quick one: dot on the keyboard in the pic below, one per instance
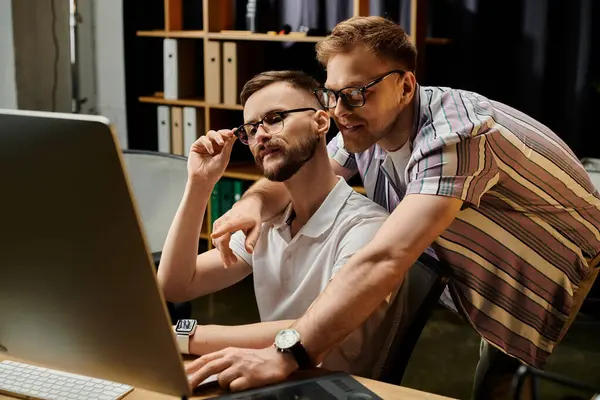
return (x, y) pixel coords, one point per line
(32, 382)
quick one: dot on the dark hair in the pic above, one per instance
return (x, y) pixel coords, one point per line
(297, 79)
(386, 39)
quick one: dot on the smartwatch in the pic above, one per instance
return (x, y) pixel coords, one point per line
(183, 330)
(288, 341)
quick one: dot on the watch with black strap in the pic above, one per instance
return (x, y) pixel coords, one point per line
(288, 341)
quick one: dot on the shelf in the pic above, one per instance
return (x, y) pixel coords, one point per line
(178, 102)
(244, 172)
(173, 34)
(251, 173)
(159, 99)
(263, 37)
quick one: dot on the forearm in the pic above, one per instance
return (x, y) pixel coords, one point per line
(375, 271)
(272, 196)
(210, 338)
(360, 287)
(178, 259)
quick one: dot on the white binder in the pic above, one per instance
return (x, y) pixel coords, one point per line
(178, 68)
(191, 125)
(164, 129)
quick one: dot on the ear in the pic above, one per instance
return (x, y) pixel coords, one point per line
(409, 86)
(322, 121)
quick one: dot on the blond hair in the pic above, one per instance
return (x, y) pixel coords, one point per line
(386, 39)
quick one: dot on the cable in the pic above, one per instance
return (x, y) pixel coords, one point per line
(56, 54)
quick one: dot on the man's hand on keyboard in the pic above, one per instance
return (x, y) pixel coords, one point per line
(241, 369)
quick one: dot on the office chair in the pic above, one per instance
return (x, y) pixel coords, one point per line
(591, 304)
(158, 181)
(519, 383)
(406, 317)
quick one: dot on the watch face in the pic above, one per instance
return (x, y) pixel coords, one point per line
(287, 338)
(185, 326)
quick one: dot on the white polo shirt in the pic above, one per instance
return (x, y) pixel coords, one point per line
(290, 273)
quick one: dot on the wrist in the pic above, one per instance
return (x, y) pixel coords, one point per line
(289, 341)
(253, 198)
(184, 334)
(288, 362)
(200, 185)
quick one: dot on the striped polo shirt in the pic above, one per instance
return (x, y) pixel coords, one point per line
(530, 223)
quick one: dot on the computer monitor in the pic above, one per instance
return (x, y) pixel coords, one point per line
(78, 289)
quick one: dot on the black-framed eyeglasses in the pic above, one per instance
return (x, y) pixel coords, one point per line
(352, 96)
(272, 123)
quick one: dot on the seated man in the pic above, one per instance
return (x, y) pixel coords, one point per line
(299, 250)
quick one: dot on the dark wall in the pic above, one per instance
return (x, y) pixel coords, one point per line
(540, 56)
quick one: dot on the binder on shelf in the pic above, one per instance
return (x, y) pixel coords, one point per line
(177, 131)
(238, 190)
(178, 68)
(226, 192)
(215, 203)
(213, 72)
(230, 73)
(241, 61)
(193, 122)
(164, 129)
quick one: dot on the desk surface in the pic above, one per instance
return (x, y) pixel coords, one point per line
(384, 390)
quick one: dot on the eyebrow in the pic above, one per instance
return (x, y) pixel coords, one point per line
(252, 120)
(353, 83)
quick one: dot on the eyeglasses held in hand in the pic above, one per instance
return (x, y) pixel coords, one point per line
(272, 123)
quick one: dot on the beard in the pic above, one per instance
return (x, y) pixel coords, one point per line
(290, 160)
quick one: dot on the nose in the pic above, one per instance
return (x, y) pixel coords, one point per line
(261, 135)
(340, 110)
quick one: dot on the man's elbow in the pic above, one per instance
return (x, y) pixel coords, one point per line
(174, 295)
(390, 263)
(171, 292)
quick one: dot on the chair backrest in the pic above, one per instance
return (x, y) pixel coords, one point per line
(158, 181)
(406, 317)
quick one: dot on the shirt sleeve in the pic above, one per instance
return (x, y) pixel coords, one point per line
(360, 232)
(337, 151)
(360, 341)
(464, 169)
(236, 244)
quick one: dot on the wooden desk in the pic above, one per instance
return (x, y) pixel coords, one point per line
(383, 390)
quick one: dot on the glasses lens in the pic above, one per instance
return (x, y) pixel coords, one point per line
(326, 98)
(273, 123)
(353, 97)
(242, 133)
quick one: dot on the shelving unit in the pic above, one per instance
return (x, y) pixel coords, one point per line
(217, 30)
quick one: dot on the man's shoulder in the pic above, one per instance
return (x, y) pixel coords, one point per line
(360, 206)
(449, 115)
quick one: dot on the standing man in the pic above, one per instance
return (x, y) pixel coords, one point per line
(498, 196)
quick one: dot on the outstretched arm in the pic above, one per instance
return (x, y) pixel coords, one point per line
(210, 338)
(261, 202)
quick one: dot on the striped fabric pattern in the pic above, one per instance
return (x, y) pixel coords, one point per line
(531, 224)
